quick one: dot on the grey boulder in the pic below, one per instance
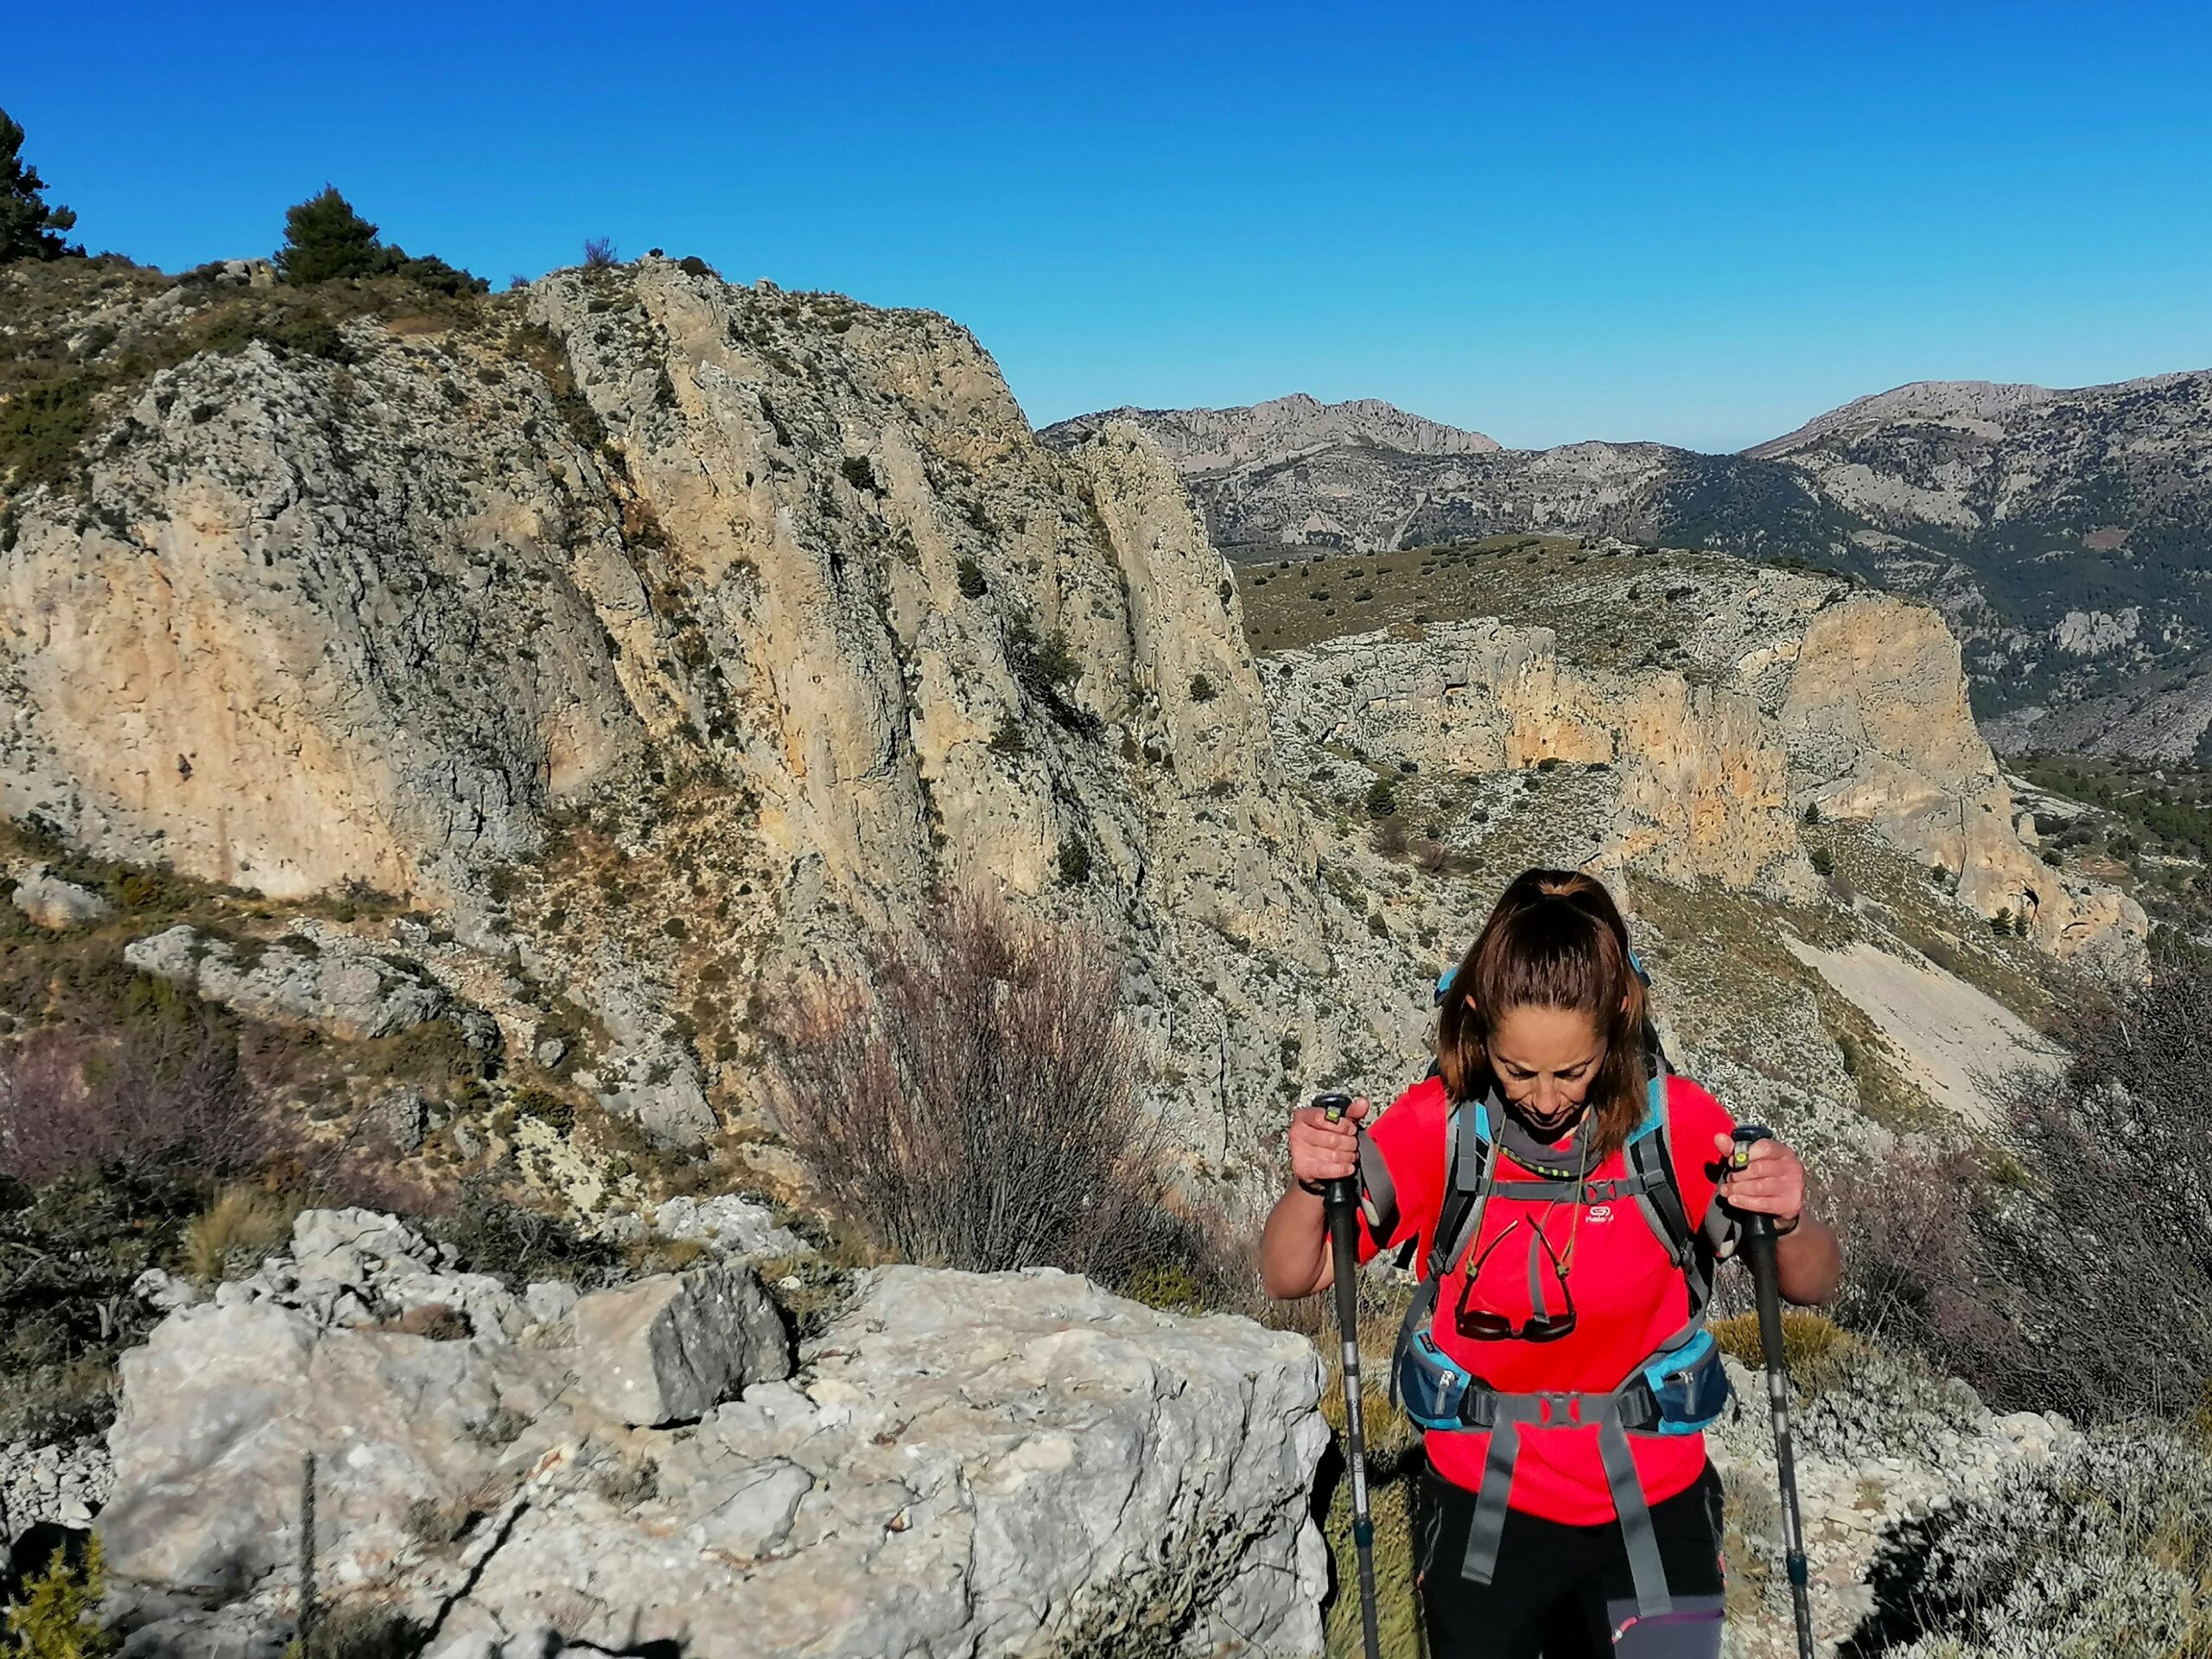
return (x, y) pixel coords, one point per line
(51, 902)
(668, 1348)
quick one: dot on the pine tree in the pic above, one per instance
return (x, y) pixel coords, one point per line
(324, 238)
(28, 228)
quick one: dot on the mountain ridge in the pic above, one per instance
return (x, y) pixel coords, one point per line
(2062, 533)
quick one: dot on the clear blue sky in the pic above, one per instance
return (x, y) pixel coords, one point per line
(1698, 222)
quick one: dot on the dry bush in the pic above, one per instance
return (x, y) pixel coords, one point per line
(1389, 838)
(2073, 1272)
(2105, 1250)
(158, 1091)
(970, 1100)
(1817, 1350)
(1913, 1272)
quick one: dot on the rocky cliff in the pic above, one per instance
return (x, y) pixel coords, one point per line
(772, 601)
(2057, 531)
(657, 633)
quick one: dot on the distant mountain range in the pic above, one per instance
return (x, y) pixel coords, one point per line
(2066, 535)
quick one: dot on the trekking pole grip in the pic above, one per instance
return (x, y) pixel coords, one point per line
(1341, 1188)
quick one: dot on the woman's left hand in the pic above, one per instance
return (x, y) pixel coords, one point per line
(1772, 1183)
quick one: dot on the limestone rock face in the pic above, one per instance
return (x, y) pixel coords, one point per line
(964, 1464)
(778, 594)
(669, 1347)
(1786, 692)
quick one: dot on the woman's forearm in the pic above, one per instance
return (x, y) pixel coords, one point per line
(1294, 1258)
(1807, 1262)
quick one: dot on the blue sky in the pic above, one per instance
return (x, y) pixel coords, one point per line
(1701, 223)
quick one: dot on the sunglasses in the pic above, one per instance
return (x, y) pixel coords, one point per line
(1486, 1325)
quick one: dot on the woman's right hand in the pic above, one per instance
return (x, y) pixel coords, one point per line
(1320, 1151)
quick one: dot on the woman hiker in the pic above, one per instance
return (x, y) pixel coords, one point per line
(1555, 1353)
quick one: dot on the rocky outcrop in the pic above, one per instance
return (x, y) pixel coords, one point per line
(52, 902)
(667, 1349)
(1791, 693)
(1219, 440)
(329, 978)
(1881, 1446)
(735, 1228)
(63, 1485)
(964, 1465)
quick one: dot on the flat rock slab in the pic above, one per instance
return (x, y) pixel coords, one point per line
(1945, 1035)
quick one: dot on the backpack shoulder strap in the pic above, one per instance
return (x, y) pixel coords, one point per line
(1469, 1154)
(1652, 1157)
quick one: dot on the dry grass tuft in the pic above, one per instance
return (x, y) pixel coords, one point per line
(234, 1233)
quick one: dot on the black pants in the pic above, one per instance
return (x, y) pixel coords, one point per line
(1562, 1592)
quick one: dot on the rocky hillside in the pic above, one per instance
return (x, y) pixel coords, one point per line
(2058, 531)
(659, 632)
(651, 635)
(460, 717)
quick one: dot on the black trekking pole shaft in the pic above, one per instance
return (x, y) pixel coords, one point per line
(1760, 1241)
(1342, 1197)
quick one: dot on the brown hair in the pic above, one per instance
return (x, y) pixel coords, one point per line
(1555, 940)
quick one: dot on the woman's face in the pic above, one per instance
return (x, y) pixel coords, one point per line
(1546, 1059)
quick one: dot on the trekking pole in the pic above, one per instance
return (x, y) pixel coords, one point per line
(1758, 1242)
(1342, 1197)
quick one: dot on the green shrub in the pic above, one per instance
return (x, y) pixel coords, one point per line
(860, 475)
(1381, 800)
(1824, 861)
(1075, 862)
(972, 585)
(1202, 688)
(60, 1619)
(548, 1108)
(41, 428)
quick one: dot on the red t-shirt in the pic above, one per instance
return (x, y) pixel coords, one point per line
(1629, 1298)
